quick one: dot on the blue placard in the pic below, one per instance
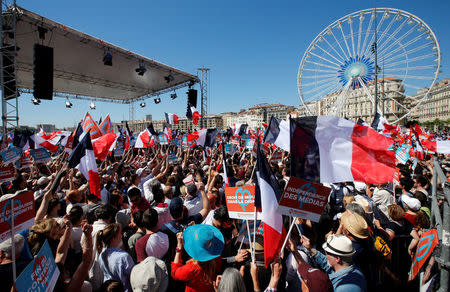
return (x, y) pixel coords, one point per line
(402, 153)
(249, 143)
(40, 155)
(163, 139)
(172, 157)
(41, 274)
(11, 154)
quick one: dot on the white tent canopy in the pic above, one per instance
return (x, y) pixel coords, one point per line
(78, 63)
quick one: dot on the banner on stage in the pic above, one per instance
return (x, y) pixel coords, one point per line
(40, 155)
(427, 243)
(11, 154)
(241, 202)
(23, 205)
(303, 199)
(41, 274)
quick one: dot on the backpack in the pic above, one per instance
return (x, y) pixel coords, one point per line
(381, 247)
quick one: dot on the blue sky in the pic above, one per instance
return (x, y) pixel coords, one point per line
(253, 48)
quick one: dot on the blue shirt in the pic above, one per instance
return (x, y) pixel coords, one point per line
(349, 279)
(116, 264)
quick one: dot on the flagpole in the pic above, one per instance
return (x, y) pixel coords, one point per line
(254, 235)
(13, 242)
(287, 235)
(249, 241)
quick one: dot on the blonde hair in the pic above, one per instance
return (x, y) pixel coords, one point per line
(348, 199)
(39, 233)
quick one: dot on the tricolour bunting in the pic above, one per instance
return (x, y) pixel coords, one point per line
(330, 149)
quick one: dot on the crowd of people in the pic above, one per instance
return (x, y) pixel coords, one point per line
(164, 226)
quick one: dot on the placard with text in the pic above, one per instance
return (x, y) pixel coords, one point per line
(303, 199)
(241, 202)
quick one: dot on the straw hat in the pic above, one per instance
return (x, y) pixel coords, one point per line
(363, 202)
(355, 224)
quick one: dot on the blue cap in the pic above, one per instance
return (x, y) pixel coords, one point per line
(203, 242)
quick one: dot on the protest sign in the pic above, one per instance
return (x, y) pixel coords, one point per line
(40, 155)
(303, 199)
(427, 243)
(249, 143)
(172, 157)
(230, 148)
(184, 141)
(23, 214)
(241, 202)
(396, 180)
(189, 180)
(276, 157)
(7, 173)
(402, 153)
(163, 139)
(41, 274)
(23, 162)
(120, 148)
(11, 154)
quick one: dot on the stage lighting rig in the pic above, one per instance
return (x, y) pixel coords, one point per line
(68, 104)
(142, 104)
(107, 59)
(157, 100)
(36, 101)
(169, 78)
(173, 95)
(92, 105)
(141, 70)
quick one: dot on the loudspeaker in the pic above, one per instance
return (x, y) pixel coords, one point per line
(9, 76)
(43, 72)
(192, 97)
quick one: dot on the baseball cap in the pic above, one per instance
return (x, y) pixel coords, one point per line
(412, 203)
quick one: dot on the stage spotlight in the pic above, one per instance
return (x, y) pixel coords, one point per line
(157, 100)
(92, 105)
(141, 70)
(168, 78)
(68, 104)
(191, 83)
(173, 95)
(36, 101)
(107, 59)
(142, 104)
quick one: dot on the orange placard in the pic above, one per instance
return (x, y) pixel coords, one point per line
(241, 202)
(303, 199)
(425, 247)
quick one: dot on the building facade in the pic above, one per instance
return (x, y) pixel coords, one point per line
(436, 106)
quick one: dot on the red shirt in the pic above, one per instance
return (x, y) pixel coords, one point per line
(196, 279)
(139, 247)
(143, 205)
(410, 218)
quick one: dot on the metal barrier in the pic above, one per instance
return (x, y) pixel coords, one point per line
(442, 223)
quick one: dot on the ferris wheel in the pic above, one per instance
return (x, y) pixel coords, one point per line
(337, 71)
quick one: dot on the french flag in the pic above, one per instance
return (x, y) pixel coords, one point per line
(144, 140)
(278, 133)
(103, 145)
(171, 118)
(203, 137)
(267, 195)
(193, 114)
(224, 165)
(83, 159)
(442, 147)
(330, 149)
